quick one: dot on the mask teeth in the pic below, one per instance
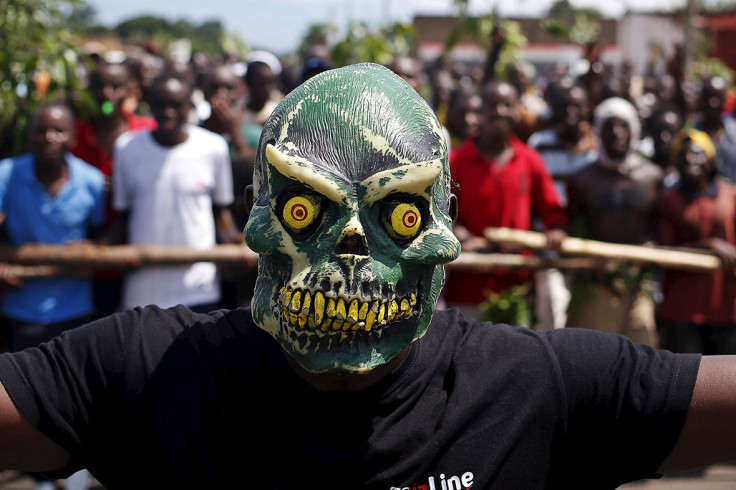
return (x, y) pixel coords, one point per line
(313, 310)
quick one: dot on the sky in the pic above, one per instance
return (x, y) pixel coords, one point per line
(279, 25)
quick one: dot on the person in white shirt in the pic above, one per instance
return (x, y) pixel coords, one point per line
(173, 186)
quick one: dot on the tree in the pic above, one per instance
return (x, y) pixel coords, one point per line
(38, 62)
(481, 30)
(318, 35)
(208, 37)
(579, 25)
(381, 46)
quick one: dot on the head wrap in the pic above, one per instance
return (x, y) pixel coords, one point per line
(622, 108)
(700, 138)
(618, 107)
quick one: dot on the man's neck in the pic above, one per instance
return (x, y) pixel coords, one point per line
(52, 175)
(494, 146)
(346, 382)
(169, 139)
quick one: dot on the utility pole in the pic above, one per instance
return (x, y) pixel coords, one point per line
(690, 30)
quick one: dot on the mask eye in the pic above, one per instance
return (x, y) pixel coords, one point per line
(300, 212)
(402, 220)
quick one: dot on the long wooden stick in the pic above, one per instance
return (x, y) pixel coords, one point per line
(122, 256)
(488, 262)
(667, 258)
(39, 260)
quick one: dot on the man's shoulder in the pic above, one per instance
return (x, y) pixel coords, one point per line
(545, 137)
(150, 332)
(138, 123)
(131, 140)
(464, 334)
(522, 149)
(12, 165)
(198, 133)
(86, 169)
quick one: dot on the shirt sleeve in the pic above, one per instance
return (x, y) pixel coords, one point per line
(627, 404)
(545, 199)
(222, 194)
(79, 384)
(120, 196)
(6, 169)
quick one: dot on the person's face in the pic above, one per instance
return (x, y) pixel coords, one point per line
(518, 78)
(170, 106)
(52, 134)
(499, 107)
(264, 83)
(693, 163)
(666, 126)
(110, 86)
(410, 71)
(616, 137)
(713, 97)
(570, 106)
(224, 84)
(473, 115)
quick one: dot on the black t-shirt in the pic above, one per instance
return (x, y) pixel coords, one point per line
(154, 398)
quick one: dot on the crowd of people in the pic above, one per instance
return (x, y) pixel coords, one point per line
(583, 154)
(167, 156)
(587, 155)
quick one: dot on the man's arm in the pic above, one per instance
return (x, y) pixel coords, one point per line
(709, 435)
(225, 225)
(22, 446)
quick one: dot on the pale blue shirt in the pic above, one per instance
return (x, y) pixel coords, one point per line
(33, 216)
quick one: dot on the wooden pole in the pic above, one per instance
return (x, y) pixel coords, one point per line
(488, 262)
(122, 256)
(39, 260)
(665, 257)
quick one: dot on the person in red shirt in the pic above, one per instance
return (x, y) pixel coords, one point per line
(698, 312)
(110, 86)
(500, 182)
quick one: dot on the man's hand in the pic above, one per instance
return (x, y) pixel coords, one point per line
(8, 279)
(555, 237)
(725, 251)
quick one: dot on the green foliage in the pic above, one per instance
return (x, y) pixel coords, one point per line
(512, 306)
(37, 39)
(363, 45)
(318, 34)
(703, 64)
(578, 25)
(710, 67)
(480, 30)
(208, 37)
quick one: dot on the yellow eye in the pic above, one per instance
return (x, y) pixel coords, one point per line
(405, 220)
(300, 211)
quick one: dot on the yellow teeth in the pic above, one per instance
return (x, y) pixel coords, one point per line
(313, 310)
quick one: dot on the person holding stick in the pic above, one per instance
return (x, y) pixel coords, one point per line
(49, 196)
(342, 374)
(614, 200)
(173, 186)
(697, 311)
(501, 182)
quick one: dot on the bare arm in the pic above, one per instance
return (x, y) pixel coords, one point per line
(22, 446)
(225, 225)
(709, 435)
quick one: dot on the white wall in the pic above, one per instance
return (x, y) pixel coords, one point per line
(641, 35)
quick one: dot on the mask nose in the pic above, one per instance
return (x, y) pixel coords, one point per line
(352, 241)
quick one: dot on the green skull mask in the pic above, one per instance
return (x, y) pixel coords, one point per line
(350, 219)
